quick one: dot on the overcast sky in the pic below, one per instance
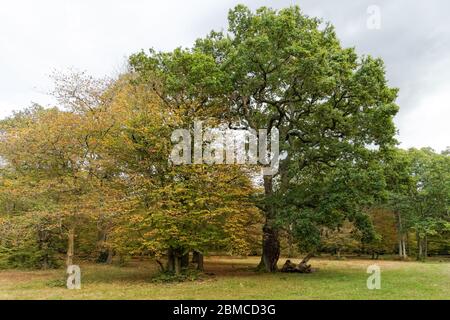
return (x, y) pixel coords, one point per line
(38, 37)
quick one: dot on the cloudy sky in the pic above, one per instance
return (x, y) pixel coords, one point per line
(39, 37)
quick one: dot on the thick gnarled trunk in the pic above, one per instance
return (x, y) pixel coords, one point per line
(270, 242)
(271, 249)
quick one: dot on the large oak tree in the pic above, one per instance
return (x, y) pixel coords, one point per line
(285, 70)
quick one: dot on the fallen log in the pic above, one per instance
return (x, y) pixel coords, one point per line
(302, 267)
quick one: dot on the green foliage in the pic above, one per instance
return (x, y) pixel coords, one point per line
(419, 193)
(98, 168)
(170, 277)
(27, 242)
(285, 70)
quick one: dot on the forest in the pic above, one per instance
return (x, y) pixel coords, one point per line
(90, 181)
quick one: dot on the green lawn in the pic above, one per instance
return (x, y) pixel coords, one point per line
(233, 278)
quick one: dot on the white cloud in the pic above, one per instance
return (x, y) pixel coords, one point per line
(428, 124)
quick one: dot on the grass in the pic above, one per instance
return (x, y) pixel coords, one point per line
(234, 278)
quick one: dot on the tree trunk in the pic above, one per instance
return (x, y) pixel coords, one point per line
(271, 244)
(103, 251)
(110, 257)
(407, 245)
(43, 247)
(419, 247)
(170, 261)
(400, 236)
(70, 246)
(425, 248)
(197, 258)
(185, 260)
(405, 254)
(200, 265)
(177, 264)
(271, 249)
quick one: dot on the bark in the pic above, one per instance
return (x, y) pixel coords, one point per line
(70, 246)
(304, 263)
(197, 258)
(271, 244)
(419, 247)
(405, 254)
(271, 249)
(170, 261)
(102, 252)
(407, 246)
(289, 267)
(185, 260)
(422, 247)
(161, 266)
(425, 247)
(43, 246)
(401, 237)
(302, 267)
(177, 264)
(200, 265)
(176, 261)
(110, 257)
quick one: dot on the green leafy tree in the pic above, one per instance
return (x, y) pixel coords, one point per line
(431, 198)
(284, 70)
(419, 195)
(179, 209)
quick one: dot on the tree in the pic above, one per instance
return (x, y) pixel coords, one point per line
(28, 241)
(343, 239)
(386, 229)
(400, 185)
(177, 209)
(322, 199)
(430, 199)
(283, 70)
(39, 148)
(52, 153)
(418, 183)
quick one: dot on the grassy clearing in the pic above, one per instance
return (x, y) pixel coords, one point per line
(234, 278)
